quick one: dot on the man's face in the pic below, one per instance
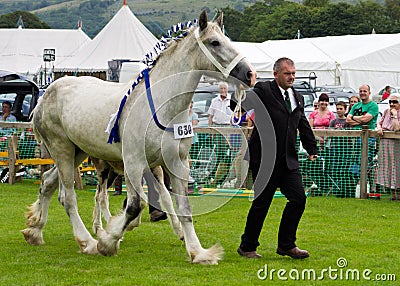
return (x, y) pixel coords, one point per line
(340, 110)
(5, 109)
(285, 77)
(223, 91)
(364, 93)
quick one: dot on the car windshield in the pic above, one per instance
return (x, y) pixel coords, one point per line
(334, 89)
(308, 99)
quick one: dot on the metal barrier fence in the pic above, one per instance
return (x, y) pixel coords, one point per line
(351, 163)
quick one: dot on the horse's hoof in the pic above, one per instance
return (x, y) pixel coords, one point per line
(107, 245)
(108, 249)
(209, 256)
(33, 236)
(88, 247)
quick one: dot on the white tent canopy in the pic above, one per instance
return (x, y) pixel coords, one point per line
(306, 57)
(124, 37)
(350, 60)
(373, 59)
(21, 50)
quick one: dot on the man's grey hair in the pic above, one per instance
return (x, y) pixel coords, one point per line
(223, 83)
(279, 62)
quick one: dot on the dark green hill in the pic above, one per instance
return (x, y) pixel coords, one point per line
(156, 15)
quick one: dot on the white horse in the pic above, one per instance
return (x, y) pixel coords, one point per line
(71, 117)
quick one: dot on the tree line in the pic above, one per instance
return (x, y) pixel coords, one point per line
(268, 20)
(281, 20)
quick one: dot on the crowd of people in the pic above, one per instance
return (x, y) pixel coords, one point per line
(363, 111)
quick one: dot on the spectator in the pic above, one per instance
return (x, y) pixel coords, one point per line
(364, 112)
(6, 112)
(386, 94)
(338, 146)
(239, 167)
(340, 121)
(353, 100)
(6, 115)
(220, 116)
(388, 173)
(321, 117)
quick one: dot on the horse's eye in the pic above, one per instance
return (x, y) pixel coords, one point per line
(215, 43)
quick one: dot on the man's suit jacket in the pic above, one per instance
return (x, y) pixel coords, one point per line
(285, 124)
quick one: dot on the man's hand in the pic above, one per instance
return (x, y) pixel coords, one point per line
(312, 157)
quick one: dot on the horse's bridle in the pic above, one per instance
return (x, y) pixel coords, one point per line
(225, 71)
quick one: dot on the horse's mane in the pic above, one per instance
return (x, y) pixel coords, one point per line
(173, 42)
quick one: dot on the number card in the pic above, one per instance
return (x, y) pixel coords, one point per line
(183, 130)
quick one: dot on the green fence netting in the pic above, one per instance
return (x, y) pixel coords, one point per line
(219, 160)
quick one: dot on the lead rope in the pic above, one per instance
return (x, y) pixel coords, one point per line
(240, 95)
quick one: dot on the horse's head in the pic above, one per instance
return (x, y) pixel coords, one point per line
(218, 52)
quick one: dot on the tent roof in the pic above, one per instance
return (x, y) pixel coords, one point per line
(21, 50)
(304, 54)
(359, 51)
(256, 55)
(124, 37)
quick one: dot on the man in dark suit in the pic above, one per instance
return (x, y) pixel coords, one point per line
(285, 108)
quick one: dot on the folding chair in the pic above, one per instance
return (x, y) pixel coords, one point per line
(204, 164)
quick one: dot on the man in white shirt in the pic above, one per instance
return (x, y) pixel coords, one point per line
(220, 115)
(219, 111)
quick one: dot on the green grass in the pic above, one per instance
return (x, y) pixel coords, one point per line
(365, 232)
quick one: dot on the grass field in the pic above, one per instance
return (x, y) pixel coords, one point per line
(364, 232)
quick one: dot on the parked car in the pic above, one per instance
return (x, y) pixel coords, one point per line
(378, 97)
(333, 89)
(383, 105)
(21, 91)
(305, 89)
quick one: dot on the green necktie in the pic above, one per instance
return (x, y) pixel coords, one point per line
(287, 101)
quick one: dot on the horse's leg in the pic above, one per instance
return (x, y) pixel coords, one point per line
(109, 238)
(196, 252)
(38, 211)
(101, 205)
(62, 153)
(167, 201)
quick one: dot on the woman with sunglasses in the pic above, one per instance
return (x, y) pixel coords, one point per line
(321, 117)
(388, 173)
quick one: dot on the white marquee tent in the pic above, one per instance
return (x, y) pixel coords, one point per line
(307, 57)
(123, 38)
(350, 60)
(373, 59)
(21, 50)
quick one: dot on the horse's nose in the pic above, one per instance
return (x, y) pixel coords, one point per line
(244, 72)
(252, 75)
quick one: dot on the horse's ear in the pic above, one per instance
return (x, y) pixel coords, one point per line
(203, 21)
(220, 20)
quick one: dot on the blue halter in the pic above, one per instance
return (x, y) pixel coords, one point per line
(151, 103)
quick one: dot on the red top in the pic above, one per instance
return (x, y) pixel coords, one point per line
(385, 95)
